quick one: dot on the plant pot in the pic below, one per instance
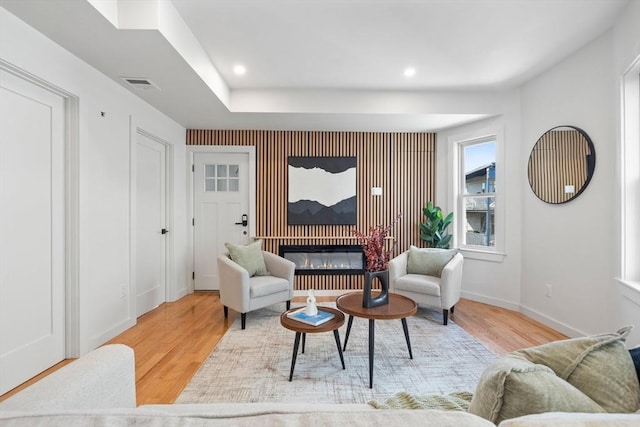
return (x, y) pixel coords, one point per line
(382, 298)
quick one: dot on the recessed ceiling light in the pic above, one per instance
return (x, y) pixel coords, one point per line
(240, 70)
(409, 72)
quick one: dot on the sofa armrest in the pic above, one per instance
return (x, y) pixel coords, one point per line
(234, 284)
(104, 378)
(279, 266)
(397, 268)
(451, 281)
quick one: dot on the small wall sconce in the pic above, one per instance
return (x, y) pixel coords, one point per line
(376, 191)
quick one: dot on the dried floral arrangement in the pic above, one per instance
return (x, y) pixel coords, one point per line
(373, 245)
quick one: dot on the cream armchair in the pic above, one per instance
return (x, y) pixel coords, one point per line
(244, 293)
(442, 292)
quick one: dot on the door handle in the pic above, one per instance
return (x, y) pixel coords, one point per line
(245, 221)
(164, 231)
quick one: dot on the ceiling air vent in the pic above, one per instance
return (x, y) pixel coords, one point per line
(140, 83)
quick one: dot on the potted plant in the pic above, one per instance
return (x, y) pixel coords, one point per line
(434, 230)
(377, 261)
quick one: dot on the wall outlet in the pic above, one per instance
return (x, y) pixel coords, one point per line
(123, 291)
(547, 290)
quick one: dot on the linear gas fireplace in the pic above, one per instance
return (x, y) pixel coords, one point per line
(325, 259)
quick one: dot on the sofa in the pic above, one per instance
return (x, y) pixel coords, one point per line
(99, 390)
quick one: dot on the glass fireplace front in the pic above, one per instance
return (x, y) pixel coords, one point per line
(325, 259)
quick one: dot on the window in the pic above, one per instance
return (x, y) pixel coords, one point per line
(476, 183)
(478, 161)
(221, 178)
(630, 175)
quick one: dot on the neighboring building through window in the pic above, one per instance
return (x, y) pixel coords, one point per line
(478, 193)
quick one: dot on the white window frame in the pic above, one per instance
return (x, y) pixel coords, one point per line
(629, 270)
(456, 144)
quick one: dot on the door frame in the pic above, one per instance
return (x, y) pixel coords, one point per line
(212, 149)
(72, 302)
(136, 130)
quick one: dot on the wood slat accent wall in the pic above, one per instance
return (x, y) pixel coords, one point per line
(403, 164)
(559, 158)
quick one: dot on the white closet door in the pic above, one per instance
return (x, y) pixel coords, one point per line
(32, 219)
(150, 223)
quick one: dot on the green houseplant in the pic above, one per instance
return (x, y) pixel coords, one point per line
(434, 230)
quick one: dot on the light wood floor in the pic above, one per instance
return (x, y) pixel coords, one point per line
(172, 341)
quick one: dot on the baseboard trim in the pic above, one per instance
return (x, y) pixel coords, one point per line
(491, 301)
(99, 340)
(552, 323)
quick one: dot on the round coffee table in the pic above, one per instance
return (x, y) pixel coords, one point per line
(399, 307)
(302, 329)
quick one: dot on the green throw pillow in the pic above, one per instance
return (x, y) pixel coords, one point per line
(249, 257)
(512, 387)
(600, 366)
(589, 374)
(428, 261)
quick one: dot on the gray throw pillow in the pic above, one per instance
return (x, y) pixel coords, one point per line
(428, 261)
(249, 257)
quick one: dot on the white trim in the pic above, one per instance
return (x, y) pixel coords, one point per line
(629, 289)
(496, 302)
(483, 255)
(454, 142)
(630, 173)
(72, 207)
(191, 149)
(552, 323)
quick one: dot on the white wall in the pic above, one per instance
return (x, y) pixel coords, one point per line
(104, 178)
(570, 246)
(491, 282)
(574, 247)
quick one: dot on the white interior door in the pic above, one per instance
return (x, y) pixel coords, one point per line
(151, 229)
(221, 199)
(32, 220)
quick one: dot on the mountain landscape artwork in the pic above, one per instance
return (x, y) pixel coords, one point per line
(322, 190)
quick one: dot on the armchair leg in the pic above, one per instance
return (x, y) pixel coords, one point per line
(226, 311)
(445, 314)
(243, 319)
(288, 304)
(452, 308)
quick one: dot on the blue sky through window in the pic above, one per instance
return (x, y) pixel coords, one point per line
(477, 155)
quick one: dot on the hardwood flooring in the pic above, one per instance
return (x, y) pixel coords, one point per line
(173, 340)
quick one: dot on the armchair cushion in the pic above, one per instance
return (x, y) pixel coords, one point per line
(428, 261)
(266, 285)
(418, 283)
(249, 257)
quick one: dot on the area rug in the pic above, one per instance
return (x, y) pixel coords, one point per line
(252, 365)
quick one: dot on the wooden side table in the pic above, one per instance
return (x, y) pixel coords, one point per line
(302, 329)
(399, 307)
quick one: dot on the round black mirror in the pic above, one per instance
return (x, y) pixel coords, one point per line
(561, 164)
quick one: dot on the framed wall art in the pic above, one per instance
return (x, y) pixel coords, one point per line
(322, 190)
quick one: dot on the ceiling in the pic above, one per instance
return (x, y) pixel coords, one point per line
(322, 64)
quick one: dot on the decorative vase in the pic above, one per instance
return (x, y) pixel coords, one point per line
(381, 299)
(311, 309)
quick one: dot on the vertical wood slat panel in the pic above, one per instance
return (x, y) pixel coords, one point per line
(403, 164)
(558, 159)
